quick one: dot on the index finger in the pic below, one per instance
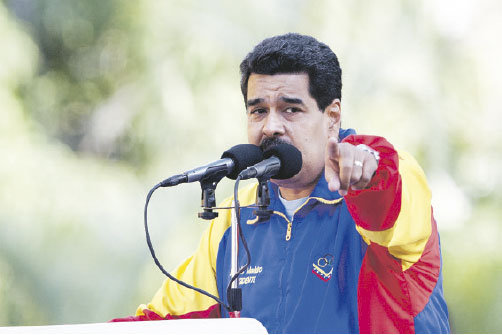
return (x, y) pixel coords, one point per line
(346, 164)
(333, 149)
(331, 169)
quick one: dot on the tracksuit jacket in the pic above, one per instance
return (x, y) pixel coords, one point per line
(368, 262)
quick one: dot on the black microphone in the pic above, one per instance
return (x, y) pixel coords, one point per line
(282, 161)
(232, 162)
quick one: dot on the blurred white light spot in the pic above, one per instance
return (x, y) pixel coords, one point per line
(451, 206)
(453, 17)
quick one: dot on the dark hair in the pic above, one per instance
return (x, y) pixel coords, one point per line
(295, 53)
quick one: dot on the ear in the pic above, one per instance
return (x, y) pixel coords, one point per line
(333, 114)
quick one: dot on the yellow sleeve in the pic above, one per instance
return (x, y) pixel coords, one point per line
(407, 238)
(199, 270)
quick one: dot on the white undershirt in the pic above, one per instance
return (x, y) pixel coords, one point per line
(291, 205)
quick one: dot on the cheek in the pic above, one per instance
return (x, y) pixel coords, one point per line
(315, 147)
(254, 133)
(314, 154)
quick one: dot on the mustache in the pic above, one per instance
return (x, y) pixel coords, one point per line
(269, 142)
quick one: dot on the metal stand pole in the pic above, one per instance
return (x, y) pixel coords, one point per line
(234, 266)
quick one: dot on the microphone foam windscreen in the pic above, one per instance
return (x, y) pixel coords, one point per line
(243, 155)
(290, 157)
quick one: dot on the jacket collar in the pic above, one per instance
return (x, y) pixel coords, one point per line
(320, 191)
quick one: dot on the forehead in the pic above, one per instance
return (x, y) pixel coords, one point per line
(266, 86)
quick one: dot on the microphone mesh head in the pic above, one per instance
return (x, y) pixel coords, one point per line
(290, 157)
(243, 155)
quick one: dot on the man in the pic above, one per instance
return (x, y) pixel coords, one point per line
(352, 245)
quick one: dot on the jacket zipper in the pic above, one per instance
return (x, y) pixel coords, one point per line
(288, 232)
(290, 225)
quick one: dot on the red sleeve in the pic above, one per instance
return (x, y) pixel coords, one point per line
(210, 313)
(377, 207)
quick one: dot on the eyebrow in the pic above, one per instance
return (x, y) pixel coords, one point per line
(254, 102)
(294, 101)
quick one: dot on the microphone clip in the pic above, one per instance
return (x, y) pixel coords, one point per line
(263, 201)
(208, 197)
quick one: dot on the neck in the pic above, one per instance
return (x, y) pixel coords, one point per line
(295, 193)
(292, 189)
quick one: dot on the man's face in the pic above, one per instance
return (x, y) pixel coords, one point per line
(280, 106)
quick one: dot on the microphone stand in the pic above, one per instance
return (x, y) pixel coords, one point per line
(263, 213)
(235, 300)
(208, 201)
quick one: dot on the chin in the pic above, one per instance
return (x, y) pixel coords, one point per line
(283, 182)
(299, 181)
(296, 182)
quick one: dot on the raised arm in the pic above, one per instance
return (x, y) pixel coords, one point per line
(392, 211)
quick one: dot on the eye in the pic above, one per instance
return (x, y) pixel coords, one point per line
(258, 111)
(292, 110)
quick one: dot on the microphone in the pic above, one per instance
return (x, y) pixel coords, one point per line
(232, 162)
(282, 161)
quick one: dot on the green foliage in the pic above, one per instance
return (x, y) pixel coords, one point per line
(101, 99)
(87, 52)
(15, 299)
(472, 291)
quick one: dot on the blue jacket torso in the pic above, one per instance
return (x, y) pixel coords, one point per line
(307, 284)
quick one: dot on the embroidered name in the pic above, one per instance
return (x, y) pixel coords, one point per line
(247, 280)
(252, 272)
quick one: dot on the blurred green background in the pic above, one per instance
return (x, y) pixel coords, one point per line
(100, 100)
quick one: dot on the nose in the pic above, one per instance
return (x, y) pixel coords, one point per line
(274, 125)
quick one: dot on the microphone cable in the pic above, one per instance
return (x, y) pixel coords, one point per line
(235, 295)
(152, 252)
